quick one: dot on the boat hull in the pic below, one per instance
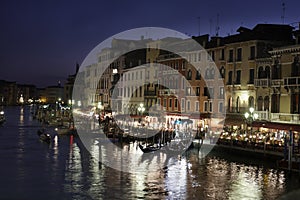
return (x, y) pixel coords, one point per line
(148, 149)
(45, 137)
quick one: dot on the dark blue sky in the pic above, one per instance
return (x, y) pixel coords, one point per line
(41, 41)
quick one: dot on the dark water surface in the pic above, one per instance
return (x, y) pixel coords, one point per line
(64, 169)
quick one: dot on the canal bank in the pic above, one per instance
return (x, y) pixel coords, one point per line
(64, 169)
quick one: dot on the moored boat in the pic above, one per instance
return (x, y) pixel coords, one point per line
(148, 148)
(45, 137)
(284, 164)
(2, 117)
(65, 130)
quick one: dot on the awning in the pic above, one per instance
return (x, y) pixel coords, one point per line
(188, 121)
(190, 116)
(276, 125)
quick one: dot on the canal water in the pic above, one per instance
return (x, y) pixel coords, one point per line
(64, 169)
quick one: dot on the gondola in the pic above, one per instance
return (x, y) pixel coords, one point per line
(148, 149)
(45, 137)
(65, 130)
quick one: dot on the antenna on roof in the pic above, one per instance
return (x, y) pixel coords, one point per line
(198, 26)
(210, 25)
(283, 12)
(217, 26)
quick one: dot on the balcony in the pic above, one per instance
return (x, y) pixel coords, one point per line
(265, 82)
(167, 92)
(149, 93)
(277, 82)
(167, 56)
(252, 58)
(291, 81)
(285, 118)
(262, 115)
(170, 72)
(230, 60)
(278, 117)
(229, 83)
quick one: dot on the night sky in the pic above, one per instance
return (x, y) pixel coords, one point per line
(41, 41)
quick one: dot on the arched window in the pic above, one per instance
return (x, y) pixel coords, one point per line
(237, 104)
(222, 72)
(295, 66)
(189, 75)
(198, 75)
(266, 102)
(260, 103)
(229, 82)
(260, 72)
(207, 73)
(276, 70)
(251, 101)
(212, 73)
(267, 72)
(229, 104)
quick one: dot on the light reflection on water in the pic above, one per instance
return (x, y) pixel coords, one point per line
(66, 170)
(185, 178)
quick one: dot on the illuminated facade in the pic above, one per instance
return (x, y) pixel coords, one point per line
(285, 82)
(8, 92)
(255, 68)
(68, 87)
(246, 59)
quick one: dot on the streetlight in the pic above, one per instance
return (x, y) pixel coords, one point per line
(100, 108)
(251, 117)
(141, 108)
(99, 105)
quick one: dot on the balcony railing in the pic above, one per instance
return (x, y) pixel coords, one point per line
(167, 92)
(262, 115)
(167, 56)
(265, 82)
(149, 93)
(285, 118)
(279, 117)
(170, 72)
(277, 82)
(292, 81)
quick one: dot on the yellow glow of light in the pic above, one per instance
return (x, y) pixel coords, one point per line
(21, 100)
(43, 100)
(244, 97)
